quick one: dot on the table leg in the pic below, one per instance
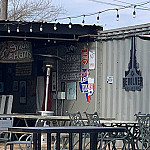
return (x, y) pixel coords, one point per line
(11, 146)
(48, 141)
(34, 141)
(93, 140)
(80, 140)
(70, 141)
(58, 141)
(39, 141)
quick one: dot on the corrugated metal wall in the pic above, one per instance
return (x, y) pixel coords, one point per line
(115, 56)
(81, 104)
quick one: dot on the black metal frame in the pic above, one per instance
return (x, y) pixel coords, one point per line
(93, 131)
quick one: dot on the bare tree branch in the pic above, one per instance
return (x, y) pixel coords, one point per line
(31, 10)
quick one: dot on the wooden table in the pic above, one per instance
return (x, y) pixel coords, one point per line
(67, 129)
(60, 120)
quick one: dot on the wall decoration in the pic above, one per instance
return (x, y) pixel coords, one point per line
(22, 92)
(71, 90)
(1, 87)
(86, 85)
(53, 81)
(15, 86)
(91, 88)
(133, 81)
(84, 81)
(92, 59)
(84, 56)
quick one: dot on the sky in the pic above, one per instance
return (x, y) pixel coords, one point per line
(107, 19)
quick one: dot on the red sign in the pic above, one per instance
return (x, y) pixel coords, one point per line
(84, 56)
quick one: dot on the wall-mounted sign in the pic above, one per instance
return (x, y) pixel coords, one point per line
(110, 79)
(71, 49)
(92, 59)
(87, 84)
(84, 81)
(84, 56)
(70, 69)
(133, 80)
(75, 76)
(23, 69)
(91, 88)
(15, 52)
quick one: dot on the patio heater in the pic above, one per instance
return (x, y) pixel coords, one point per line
(49, 61)
(48, 67)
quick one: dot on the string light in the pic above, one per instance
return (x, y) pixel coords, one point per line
(134, 13)
(55, 27)
(41, 28)
(70, 24)
(98, 18)
(18, 28)
(83, 20)
(117, 15)
(48, 40)
(31, 28)
(8, 30)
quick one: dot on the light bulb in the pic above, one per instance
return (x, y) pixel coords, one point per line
(83, 21)
(134, 13)
(31, 29)
(70, 25)
(8, 30)
(117, 16)
(41, 28)
(98, 19)
(55, 28)
(18, 29)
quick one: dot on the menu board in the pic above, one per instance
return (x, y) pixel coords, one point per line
(71, 68)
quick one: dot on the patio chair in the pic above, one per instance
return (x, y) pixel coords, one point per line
(76, 120)
(5, 136)
(24, 139)
(107, 138)
(5, 123)
(144, 128)
(94, 120)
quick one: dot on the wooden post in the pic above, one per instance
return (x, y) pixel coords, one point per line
(4, 6)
